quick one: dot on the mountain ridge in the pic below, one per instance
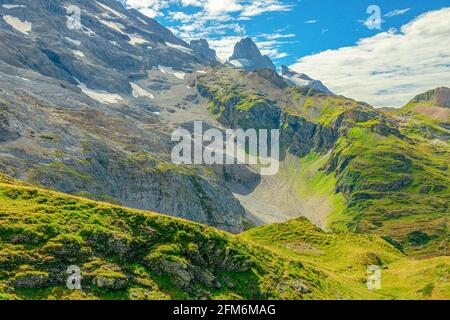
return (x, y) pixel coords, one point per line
(130, 254)
(90, 113)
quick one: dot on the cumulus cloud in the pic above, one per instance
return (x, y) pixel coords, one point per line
(207, 17)
(388, 69)
(212, 8)
(218, 21)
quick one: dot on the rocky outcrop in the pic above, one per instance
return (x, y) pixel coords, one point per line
(298, 135)
(302, 80)
(7, 132)
(201, 49)
(30, 280)
(149, 185)
(301, 136)
(247, 56)
(440, 97)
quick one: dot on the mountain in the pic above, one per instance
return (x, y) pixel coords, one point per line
(86, 111)
(427, 115)
(433, 103)
(301, 79)
(346, 165)
(247, 56)
(201, 49)
(86, 122)
(439, 97)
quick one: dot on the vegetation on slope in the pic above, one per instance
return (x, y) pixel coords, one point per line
(131, 254)
(393, 187)
(394, 181)
(344, 257)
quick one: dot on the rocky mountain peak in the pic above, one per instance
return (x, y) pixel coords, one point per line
(247, 56)
(285, 71)
(201, 49)
(302, 80)
(440, 97)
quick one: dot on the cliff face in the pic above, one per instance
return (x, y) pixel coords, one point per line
(80, 109)
(201, 49)
(247, 56)
(242, 109)
(439, 97)
(370, 157)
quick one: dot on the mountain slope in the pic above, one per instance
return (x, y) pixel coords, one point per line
(392, 183)
(301, 79)
(345, 256)
(87, 111)
(131, 254)
(246, 56)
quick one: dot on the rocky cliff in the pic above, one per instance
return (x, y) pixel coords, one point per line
(247, 56)
(201, 49)
(84, 110)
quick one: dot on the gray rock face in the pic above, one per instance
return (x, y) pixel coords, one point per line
(303, 136)
(300, 134)
(302, 80)
(247, 56)
(439, 97)
(59, 129)
(112, 282)
(113, 45)
(30, 280)
(201, 48)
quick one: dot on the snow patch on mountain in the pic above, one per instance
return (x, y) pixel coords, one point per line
(139, 92)
(136, 40)
(167, 70)
(179, 47)
(78, 53)
(100, 96)
(13, 6)
(73, 41)
(113, 25)
(19, 25)
(116, 13)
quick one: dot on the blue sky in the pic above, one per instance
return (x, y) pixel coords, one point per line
(298, 32)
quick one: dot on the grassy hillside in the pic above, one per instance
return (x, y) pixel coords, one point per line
(379, 173)
(394, 186)
(344, 257)
(130, 254)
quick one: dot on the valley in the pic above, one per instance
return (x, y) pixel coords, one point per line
(87, 179)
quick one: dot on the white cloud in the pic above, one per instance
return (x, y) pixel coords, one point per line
(391, 67)
(274, 36)
(311, 21)
(209, 17)
(151, 8)
(397, 12)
